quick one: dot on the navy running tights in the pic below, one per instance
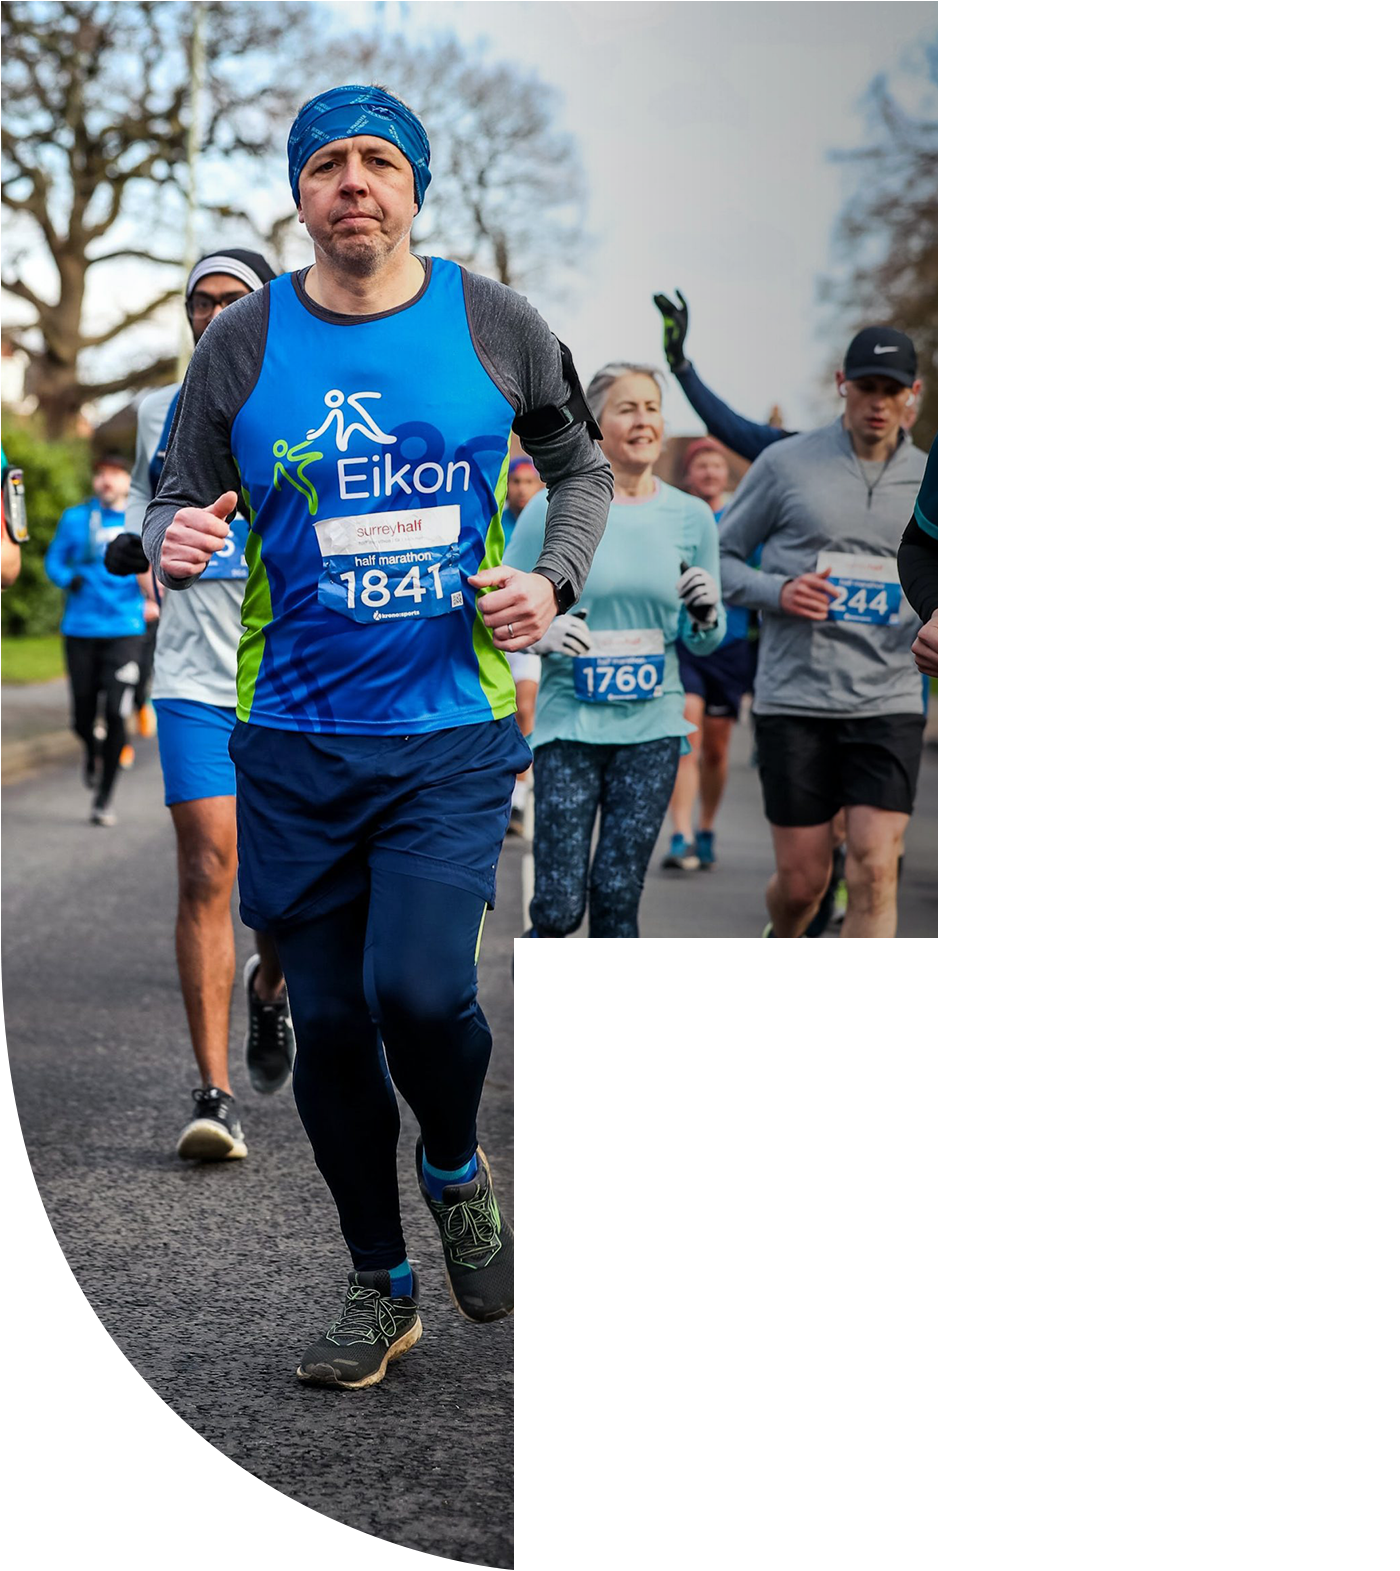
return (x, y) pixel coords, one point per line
(627, 788)
(416, 988)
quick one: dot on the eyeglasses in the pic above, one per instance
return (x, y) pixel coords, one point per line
(206, 305)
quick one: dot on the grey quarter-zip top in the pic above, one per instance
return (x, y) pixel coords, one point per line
(806, 501)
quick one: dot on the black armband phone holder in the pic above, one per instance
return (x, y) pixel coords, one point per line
(543, 425)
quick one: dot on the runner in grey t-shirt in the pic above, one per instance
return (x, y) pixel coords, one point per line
(194, 696)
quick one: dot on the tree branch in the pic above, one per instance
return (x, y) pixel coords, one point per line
(92, 340)
(160, 371)
(144, 256)
(17, 286)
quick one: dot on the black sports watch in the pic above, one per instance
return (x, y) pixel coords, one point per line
(564, 592)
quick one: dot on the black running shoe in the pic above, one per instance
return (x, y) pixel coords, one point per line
(477, 1244)
(373, 1328)
(270, 1045)
(535, 965)
(214, 1133)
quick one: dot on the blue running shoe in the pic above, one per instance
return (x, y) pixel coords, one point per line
(680, 856)
(705, 847)
(786, 1009)
(590, 1105)
(838, 1091)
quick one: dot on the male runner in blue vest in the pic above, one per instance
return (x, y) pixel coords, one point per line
(361, 409)
(195, 692)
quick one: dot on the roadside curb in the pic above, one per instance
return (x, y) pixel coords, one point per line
(27, 756)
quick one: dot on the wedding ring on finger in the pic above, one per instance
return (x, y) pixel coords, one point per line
(510, 629)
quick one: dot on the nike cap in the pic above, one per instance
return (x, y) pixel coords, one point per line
(882, 351)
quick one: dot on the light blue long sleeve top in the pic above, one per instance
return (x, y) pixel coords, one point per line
(630, 586)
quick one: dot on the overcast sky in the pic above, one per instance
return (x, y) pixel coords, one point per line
(704, 131)
(744, 102)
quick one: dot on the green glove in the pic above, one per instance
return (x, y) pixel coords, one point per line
(674, 321)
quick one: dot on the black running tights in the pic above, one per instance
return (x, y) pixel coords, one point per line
(105, 669)
(399, 962)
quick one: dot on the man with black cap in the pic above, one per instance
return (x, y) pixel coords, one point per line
(838, 706)
(195, 693)
(104, 621)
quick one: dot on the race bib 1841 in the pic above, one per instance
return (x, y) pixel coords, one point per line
(622, 667)
(391, 567)
(868, 587)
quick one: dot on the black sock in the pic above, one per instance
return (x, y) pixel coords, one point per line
(844, 1034)
(789, 954)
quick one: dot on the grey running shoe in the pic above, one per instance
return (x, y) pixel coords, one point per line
(477, 1243)
(214, 1133)
(270, 1044)
(103, 817)
(373, 1329)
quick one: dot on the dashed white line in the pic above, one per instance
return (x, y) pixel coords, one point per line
(563, 1515)
(544, 1059)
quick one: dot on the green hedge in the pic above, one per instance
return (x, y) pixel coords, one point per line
(57, 475)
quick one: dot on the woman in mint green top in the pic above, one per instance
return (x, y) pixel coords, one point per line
(610, 720)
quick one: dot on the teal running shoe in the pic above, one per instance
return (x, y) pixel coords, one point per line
(705, 847)
(838, 1091)
(681, 855)
(786, 1009)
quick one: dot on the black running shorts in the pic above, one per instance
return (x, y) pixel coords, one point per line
(811, 768)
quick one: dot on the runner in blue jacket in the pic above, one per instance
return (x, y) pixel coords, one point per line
(104, 622)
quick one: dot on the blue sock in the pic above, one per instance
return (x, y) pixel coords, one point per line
(436, 1179)
(401, 1281)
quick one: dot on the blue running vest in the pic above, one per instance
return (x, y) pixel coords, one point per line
(372, 462)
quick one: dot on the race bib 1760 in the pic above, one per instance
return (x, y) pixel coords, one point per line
(391, 567)
(622, 667)
(868, 587)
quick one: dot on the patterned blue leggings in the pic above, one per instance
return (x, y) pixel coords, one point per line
(575, 782)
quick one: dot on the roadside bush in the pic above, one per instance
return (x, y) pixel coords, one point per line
(56, 475)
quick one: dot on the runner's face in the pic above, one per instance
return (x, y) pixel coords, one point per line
(211, 294)
(356, 200)
(521, 486)
(875, 405)
(110, 485)
(631, 423)
(707, 477)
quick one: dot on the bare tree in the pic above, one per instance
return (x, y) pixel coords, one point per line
(888, 233)
(94, 149)
(507, 196)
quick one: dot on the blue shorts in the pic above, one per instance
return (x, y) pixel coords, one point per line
(193, 741)
(722, 678)
(316, 812)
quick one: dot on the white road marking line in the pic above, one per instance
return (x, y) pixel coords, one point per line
(544, 1059)
(563, 1516)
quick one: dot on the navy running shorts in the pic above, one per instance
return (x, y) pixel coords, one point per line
(722, 678)
(317, 811)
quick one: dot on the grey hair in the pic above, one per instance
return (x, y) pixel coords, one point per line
(597, 394)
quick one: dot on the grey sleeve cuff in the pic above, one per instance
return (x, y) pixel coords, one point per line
(521, 356)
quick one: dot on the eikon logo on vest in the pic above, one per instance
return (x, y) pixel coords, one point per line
(365, 477)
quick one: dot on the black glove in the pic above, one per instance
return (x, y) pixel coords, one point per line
(75, 583)
(126, 555)
(674, 321)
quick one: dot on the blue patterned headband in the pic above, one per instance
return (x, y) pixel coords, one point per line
(358, 111)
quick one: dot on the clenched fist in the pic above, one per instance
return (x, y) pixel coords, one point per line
(194, 535)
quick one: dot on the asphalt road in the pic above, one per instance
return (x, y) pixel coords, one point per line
(762, 1336)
